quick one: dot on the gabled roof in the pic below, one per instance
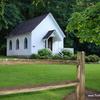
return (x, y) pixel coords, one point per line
(48, 34)
(53, 19)
(27, 26)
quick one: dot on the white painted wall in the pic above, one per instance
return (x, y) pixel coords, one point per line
(40, 31)
(21, 51)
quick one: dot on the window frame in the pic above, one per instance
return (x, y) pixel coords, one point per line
(10, 45)
(17, 44)
(25, 43)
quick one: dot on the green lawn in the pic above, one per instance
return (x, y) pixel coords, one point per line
(19, 75)
(6, 57)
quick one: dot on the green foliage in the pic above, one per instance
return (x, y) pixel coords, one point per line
(92, 58)
(44, 53)
(81, 5)
(73, 57)
(66, 53)
(85, 24)
(34, 56)
(47, 54)
(57, 56)
(2, 50)
(9, 15)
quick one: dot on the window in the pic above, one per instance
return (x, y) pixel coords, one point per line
(17, 44)
(10, 45)
(25, 43)
(45, 43)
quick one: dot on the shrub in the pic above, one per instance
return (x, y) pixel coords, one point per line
(65, 57)
(66, 53)
(92, 58)
(57, 56)
(34, 56)
(45, 53)
(73, 57)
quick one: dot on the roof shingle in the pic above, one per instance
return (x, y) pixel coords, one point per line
(27, 26)
(48, 34)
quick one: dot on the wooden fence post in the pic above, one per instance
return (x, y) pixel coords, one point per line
(78, 77)
(80, 90)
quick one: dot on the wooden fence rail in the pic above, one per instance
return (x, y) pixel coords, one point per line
(79, 83)
(38, 88)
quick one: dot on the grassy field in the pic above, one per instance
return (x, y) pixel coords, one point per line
(19, 75)
(5, 57)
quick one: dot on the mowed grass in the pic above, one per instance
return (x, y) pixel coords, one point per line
(24, 75)
(31, 74)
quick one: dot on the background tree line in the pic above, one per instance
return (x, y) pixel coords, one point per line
(13, 12)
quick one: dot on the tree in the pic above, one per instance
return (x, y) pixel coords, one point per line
(83, 4)
(9, 15)
(86, 24)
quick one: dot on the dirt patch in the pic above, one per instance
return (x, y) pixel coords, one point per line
(35, 61)
(89, 95)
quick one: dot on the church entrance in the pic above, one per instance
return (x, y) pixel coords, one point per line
(50, 43)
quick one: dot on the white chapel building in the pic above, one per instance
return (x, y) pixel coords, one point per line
(30, 36)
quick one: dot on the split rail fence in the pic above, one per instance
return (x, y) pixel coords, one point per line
(79, 83)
